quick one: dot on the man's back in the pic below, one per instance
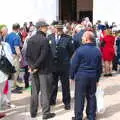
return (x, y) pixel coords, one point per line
(87, 60)
(14, 40)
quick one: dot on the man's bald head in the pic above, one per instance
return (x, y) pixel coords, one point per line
(88, 37)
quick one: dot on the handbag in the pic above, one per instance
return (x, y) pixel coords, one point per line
(5, 65)
(100, 100)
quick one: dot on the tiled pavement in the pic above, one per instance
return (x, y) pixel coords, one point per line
(111, 88)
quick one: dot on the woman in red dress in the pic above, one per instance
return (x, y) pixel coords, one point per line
(108, 52)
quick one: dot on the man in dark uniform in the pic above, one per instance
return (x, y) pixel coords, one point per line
(39, 59)
(62, 49)
(86, 69)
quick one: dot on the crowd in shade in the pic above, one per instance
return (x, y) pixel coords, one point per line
(64, 44)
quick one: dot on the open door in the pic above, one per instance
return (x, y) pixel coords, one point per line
(67, 10)
(83, 14)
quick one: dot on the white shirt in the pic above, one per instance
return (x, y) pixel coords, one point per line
(8, 52)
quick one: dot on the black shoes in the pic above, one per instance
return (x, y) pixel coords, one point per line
(67, 107)
(108, 75)
(50, 115)
(26, 86)
(52, 103)
(33, 116)
(17, 90)
(73, 118)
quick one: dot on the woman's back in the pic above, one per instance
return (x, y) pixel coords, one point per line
(109, 41)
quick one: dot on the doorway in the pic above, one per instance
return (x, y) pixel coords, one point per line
(83, 14)
(68, 10)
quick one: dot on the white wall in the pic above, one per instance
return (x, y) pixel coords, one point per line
(106, 10)
(12, 11)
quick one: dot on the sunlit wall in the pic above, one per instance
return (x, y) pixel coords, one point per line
(106, 10)
(12, 11)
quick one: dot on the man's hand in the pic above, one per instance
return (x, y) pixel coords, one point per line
(30, 70)
(72, 81)
(98, 84)
(20, 58)
(34, 71)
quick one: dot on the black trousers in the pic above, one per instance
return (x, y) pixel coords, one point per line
(26, 76)
(64, 77)
(115, 63)
(40, 83)
(85, 87)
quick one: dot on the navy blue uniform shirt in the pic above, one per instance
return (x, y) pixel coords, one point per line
(86, 61)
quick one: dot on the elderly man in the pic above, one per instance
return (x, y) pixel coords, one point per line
(86, 69)
(39, 58)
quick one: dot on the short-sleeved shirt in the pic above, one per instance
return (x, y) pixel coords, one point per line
(14, 40)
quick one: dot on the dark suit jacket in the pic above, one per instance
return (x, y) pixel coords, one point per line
(62, 51)
(38, 53)
(87, 61)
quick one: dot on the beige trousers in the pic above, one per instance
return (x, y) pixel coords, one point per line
(16, 63)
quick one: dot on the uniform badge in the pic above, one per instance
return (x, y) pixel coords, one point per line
(50, 42)
(72, 41)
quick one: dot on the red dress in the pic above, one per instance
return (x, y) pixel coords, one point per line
(108, 50)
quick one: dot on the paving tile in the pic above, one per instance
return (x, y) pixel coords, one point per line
(111, 88)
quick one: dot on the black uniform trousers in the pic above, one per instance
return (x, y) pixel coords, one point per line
(40, 83)
(26, 76)
(64, 77)
(85, 87)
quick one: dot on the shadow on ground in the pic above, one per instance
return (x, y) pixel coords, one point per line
(112, 90)
(110, 111)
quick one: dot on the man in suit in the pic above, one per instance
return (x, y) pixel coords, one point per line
(86, 69)
(62, 50)
(39, 59)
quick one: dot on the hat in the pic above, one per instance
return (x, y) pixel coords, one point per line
(59, 26)
(54, 22)
(41, 24)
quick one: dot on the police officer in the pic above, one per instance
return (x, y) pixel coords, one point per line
(62, 49)
(86, 69)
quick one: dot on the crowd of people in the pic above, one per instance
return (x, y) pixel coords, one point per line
(79, 51)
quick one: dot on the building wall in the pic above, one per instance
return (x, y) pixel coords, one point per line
(106, 10)
(21, 11)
